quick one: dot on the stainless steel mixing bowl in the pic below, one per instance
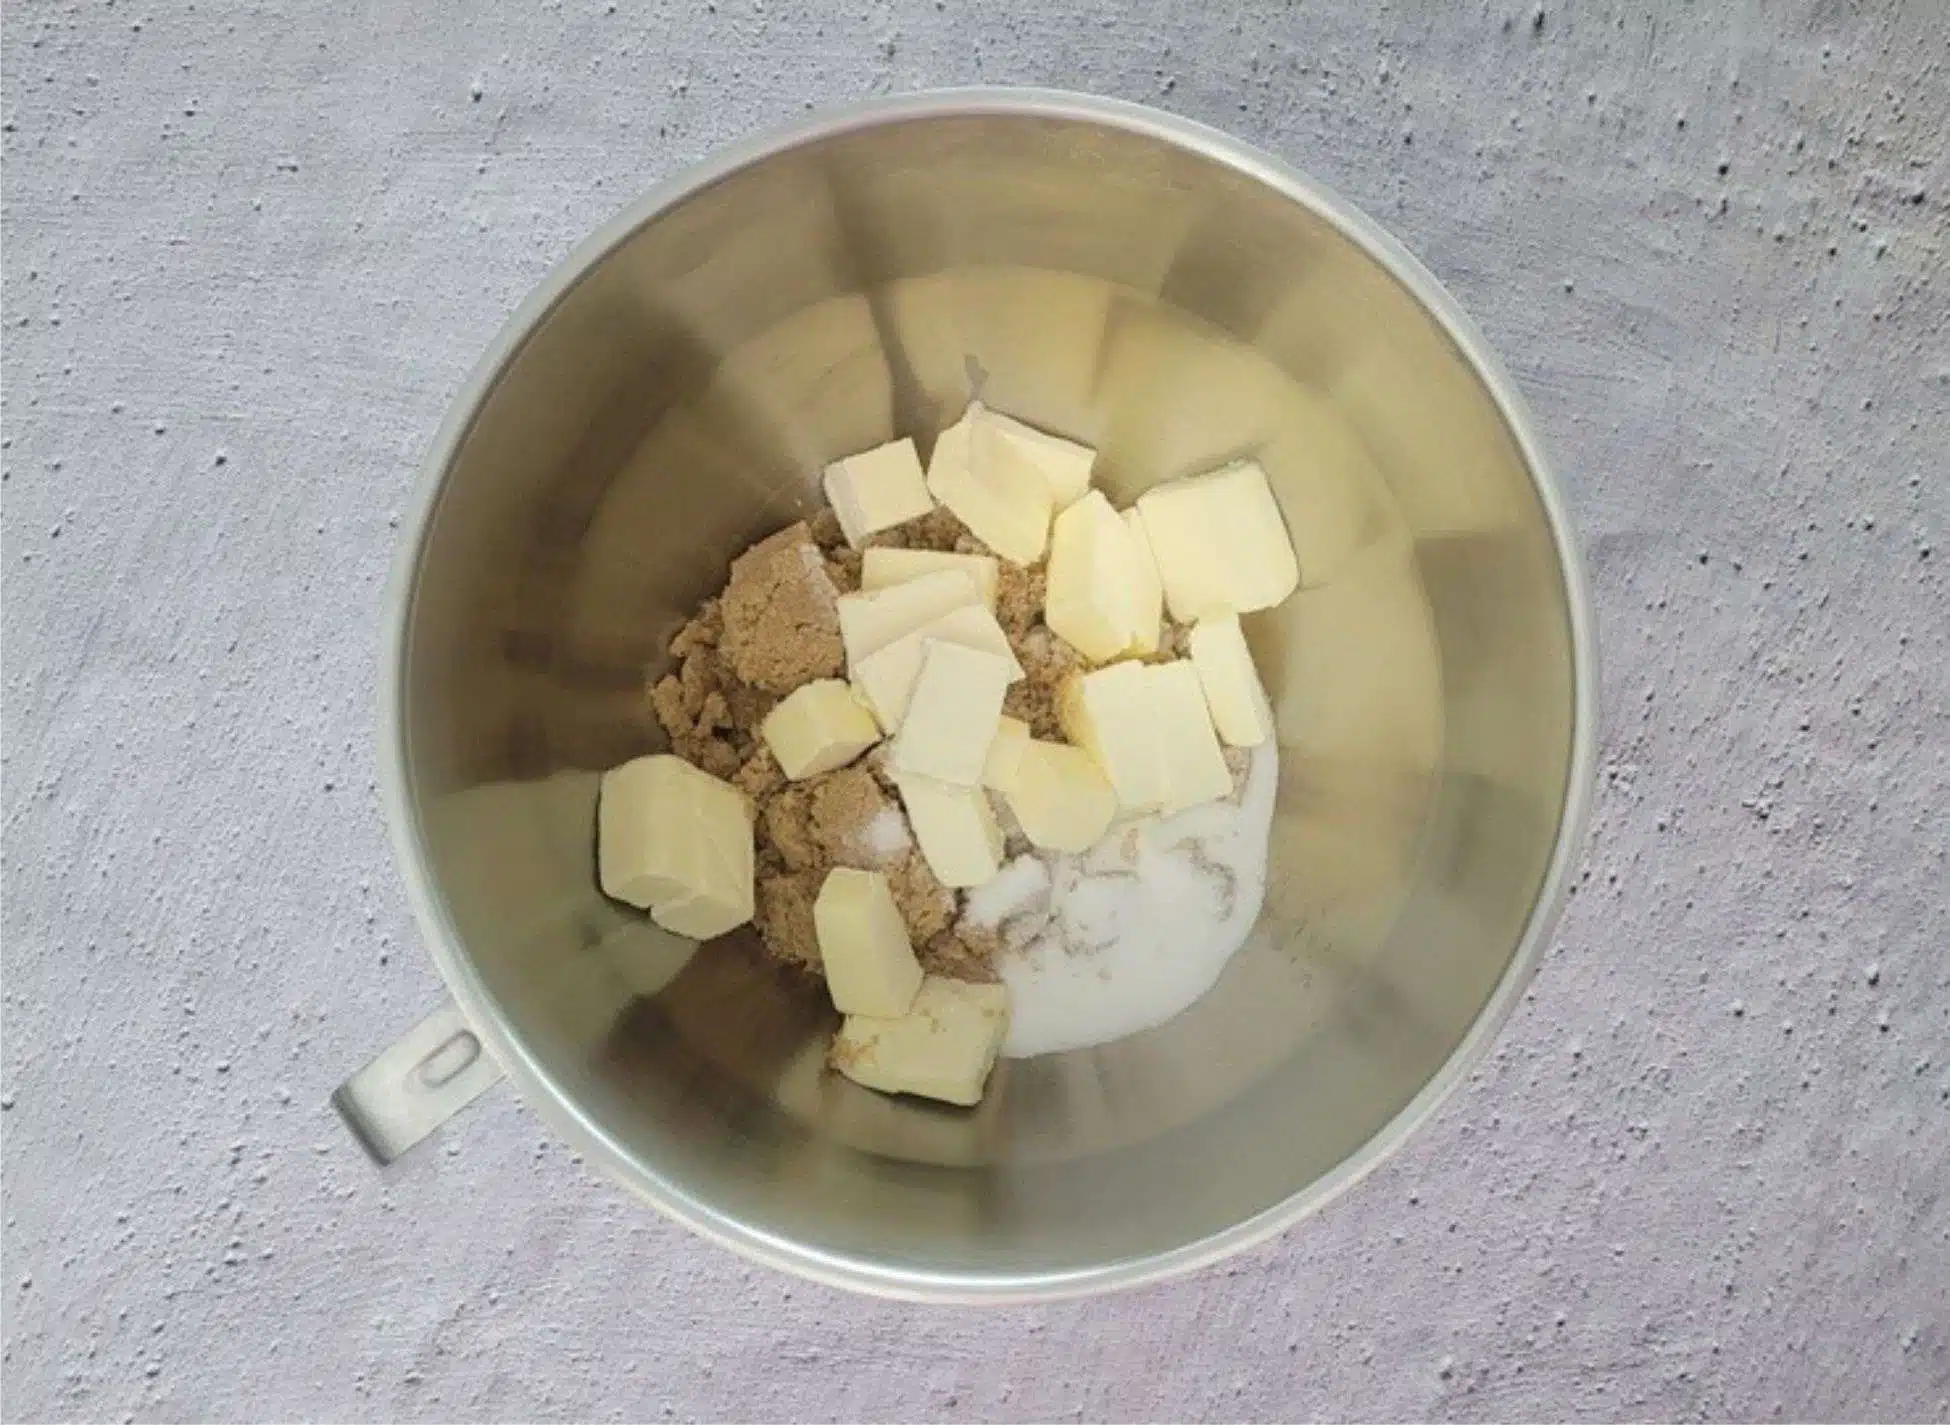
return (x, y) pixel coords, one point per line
(1174, 299)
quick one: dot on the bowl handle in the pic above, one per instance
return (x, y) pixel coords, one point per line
(417, 1083)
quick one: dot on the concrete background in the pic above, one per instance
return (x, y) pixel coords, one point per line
(248, 259)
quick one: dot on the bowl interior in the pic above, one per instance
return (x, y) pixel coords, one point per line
(1174, 307)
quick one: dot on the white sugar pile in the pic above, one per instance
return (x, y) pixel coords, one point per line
(1124, 936)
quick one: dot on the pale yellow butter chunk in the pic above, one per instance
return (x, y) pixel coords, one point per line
(882, 567)
(677, 842)
(869, 622)
(1094, 592)
(943, 1048)
(1220, 542)
(1011, 736)
(1060, 799)
(863, 945)
(817, 728)
(951, 715)
(991, 488)
(1064, 465)
(701, 916)
(1150, 592)
(1233, 691)
(956, 830)
(1106, 714)
(1195, 767)
(877, 490)
(886, 678)
(1147, 728)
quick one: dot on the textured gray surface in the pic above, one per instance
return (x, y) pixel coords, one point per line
(248, 261)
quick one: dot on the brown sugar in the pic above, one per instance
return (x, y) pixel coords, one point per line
(938, 529)
(667, 701)
(703, 631)
(855, 823)
(958, 955)
(785, 827)
(842, 560)
(715, 756)
(842, 819)
(824, 528)
(702, 706)
(781, 614)
(692, 726)
(845, 819)
(843, 567)
(698, 678)
(785, 917)
(749, 707)
(1046, 661)
(761, 775)
(1019, 598)
(926, 905)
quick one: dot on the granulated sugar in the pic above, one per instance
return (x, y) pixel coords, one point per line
(887, 836)
(1019, 889)
(1123, 937)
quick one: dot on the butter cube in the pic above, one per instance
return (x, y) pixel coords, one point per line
(943, 1047)
(956, 830)
(952, 714)
(877, 490)
(1220, 542)
(700, 915)
(1147, 728)
(1011, 736)
(1195, 768)
(1150, 591)
(819, 727)
(886, 678)
(1106, 714)
(869, 622)
(1003, 499)
(1059, 798)
(1064, 465)
(677, 842)
(1093, 595)
(863, 945)
(1233, 691)
(883, 567)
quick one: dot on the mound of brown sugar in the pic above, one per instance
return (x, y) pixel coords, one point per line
(1019, 598)
(694, 704)
(781, 614)
(775, 628)
(1046, 661)
(842, 560)
(844, 818)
